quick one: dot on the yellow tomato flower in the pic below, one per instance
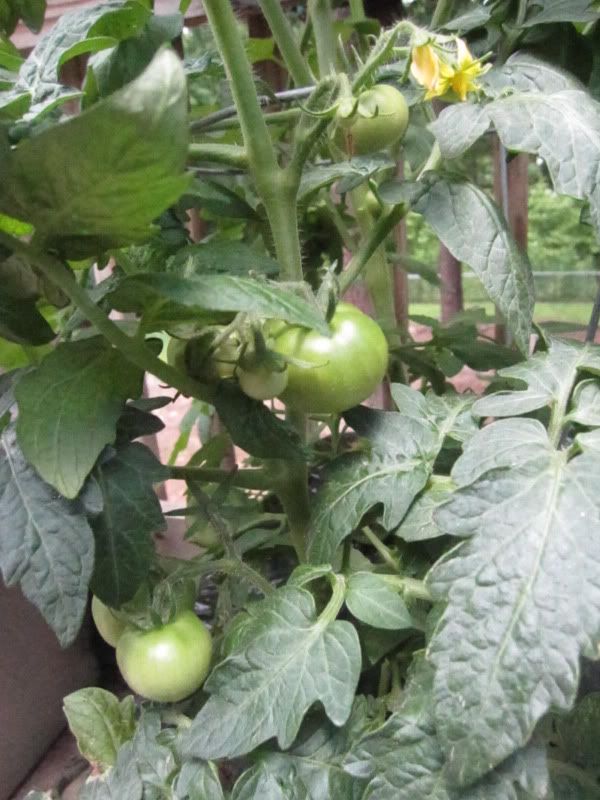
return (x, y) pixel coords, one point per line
(425, 68)
(461, 77)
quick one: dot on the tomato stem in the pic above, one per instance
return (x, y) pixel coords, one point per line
(371, 241)
(285, 40)
(383, 551)
(132, 348)
(442, 13)
(321, 15)
(336, 601)
(230, 154)
(244, 478)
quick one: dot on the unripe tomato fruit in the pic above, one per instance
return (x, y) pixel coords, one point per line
(348, 365)
(262, 383)
(109, 626)
(380, 120)
(168, 663)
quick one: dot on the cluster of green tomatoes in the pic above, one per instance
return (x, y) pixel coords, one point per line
(309, 371)
(165, 662)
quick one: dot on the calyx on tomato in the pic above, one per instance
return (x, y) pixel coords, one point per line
(210, 364)
(332, 374)
(169, 662)
(377, 119)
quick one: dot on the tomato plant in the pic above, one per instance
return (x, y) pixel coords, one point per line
(403, 599)
(340, 370)
(167, 663)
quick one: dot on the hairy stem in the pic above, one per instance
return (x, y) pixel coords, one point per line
(223, 23)
(244, 478)
(321, 15)
(286, 42)
(383, 551)
(442, 13)
(230, 154)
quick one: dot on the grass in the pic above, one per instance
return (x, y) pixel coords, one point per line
(576, 312)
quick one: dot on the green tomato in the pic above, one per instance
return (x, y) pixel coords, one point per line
(348, 365)
(372, 204)
(109, 626)
(168, 663)
(261, 382)
(379, 121)
(210, 366)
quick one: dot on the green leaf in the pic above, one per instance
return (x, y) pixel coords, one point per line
(551, 11)
(519, 591)
(124, 530)
(373, 601)
(30, 11)
(218, 293)
(218, 200)
(403, 760)
(571, 783)
(99, 179)
(353, 172)
(254, 428)
(21, 322)
(578, 732)
(547, 378)
(258, 782)
(46, 544)
(317, 755)
(589, 441)
(38, 90)
(472, 228)
(392, 473)
(458, 127)
(469, 20)
(198, 780)
(100, 722)
(419, 524)
(122, 781)
(110, 70)
(562, 128)
(69, 407)
(403, 449)
(285, 660)
(221, 258)
(586, 404)
(523, 72)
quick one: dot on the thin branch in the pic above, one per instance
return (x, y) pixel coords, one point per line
(243, 478)
(285, 40)
(286, 96)
(133, 349)
(369, 245)
(230, 154)
(592, 327)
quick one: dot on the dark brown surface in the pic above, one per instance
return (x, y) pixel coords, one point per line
(35, 675)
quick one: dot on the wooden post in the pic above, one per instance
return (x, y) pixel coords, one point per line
(451, 290)
(511, 188)
(401, 294)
